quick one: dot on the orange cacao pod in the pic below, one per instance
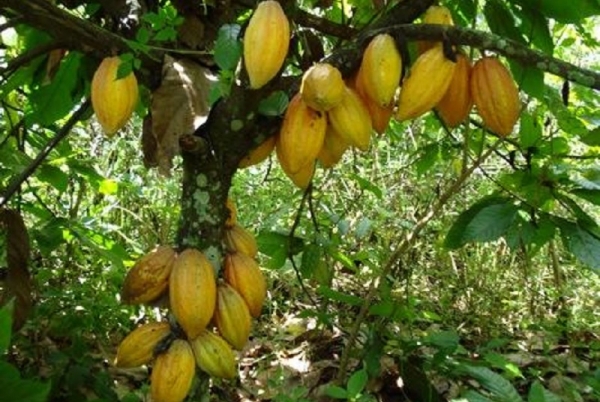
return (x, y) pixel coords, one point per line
(259, 154)
(380, 69)
(192, 291)
(266, 42)
(301, 136)
(113, 100)
(137, 348)
(239, 239)
(232, 219)
(380, 115)
(244, 275)
(428, 81)
(149, 277)
(232, 316)
(456, 104)
(322, 87)
(333, 148)
(495, 95)
(214, 356)
(352, 121)
(434, 15)
(173, 373)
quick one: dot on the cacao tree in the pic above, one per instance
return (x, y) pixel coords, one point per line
(206, 101)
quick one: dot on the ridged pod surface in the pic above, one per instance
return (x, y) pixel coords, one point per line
(172, 373)
(322, 87)
(333, 148)
(149, 277)
(245, 276)
(381, 68)
(301, 136)
(439, 15)
(351, 119)
(214, 355)
(192, 291)
(239, 239)
(258, 154)
(232, 316)
(456, 104)
(495, 95)
(113, 100)
(380, 115)
(266, 42)
(137, 348)
(428, 81)
(232, 218)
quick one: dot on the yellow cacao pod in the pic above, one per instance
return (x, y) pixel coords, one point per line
(239, 239)
(380, 115)
(428, 81)
(266, 42)
(244, 275)
(192, 291)
(456, 104)
(333, 148)
(258, 154)
(149, 277)
(301, 136)
(322, 87)
(381, 68)
(351, 120)
(232, 316)
(232, 219)
(137, 348)
(434, 15)
(173, 373)
(113, 100)
(495, 95)
(300, 178)
(214, 356)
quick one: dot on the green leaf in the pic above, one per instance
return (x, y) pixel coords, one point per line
(337, 392)
(429, 155)
(446, 340)
(108, 187)
(500, 388)
(583, 244)
(535, 27)
(537, 393)
(15, 389)
(474, 396)
(357, 383)
(592, 138)
(367, 185)
(278, 246)
(591, 195)
(501, 21)
(530, 131)
(6, 313)
(53, 176)
(274, 105)
(339, 296)
(228, 49)
(529, 79)
(311, 259)
(569, 11)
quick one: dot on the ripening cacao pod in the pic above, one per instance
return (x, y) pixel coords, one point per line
(232, 218)
(113, 100)
(322, 87)
(380, 69)
(439, 15)
(455, 105)
(149, 277)
(192, 291)
(495, 95)
(352, 121)
(239, 239)
(258, 154)
(428, 81)
(172, 373)
(333, 148)
(302, 177)
(266, 42)
(301, 136)
(232, 316)
(244, 275)
(380, 115)
(137, 348)
(214, 356)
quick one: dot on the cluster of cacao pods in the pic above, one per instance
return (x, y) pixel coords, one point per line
(329, 114)
(213, 316)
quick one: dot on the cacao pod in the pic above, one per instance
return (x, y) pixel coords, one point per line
(380, 69)
(173, 373)
(137, 348)
(239, 239)
(455, 105)
(214, 356)
(244, 275)
(322, 87)
(192, 291)
(495, 95)
(258, 154)
(428, 81)
(301, 136)
(113, 100)
(380, 115)
(439, 15)
(351, 120)
(333, 148)
(266, 42)
(301, 178)
(232, 316)
(149, 277)
(232, 218)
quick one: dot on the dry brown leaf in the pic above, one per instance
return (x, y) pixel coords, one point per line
(179, 107)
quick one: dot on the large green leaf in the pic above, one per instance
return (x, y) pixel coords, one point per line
(535, 27)
(501, 20)
(569, 11)
(228, 49)
(357, 383)
(53, 176)
(278, 246)
(584, 245)
(500, 388)
(529, 79)
(15, 389)
(537, 393)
